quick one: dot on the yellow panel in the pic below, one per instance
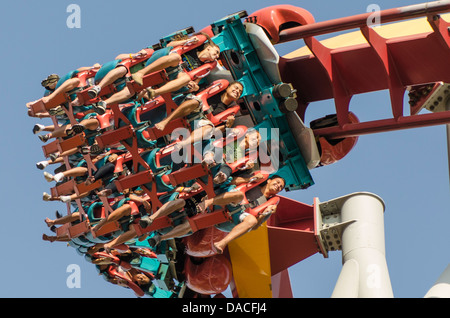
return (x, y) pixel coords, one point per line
(388, 31)
(250, 259)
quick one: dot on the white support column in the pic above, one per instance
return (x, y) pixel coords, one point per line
(441, 288)
(365, 272)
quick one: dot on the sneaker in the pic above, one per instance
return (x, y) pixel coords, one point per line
(94, 91)
(137, 78)
(38, 128)
(75, 130)
(65, 198)
(145, 221)
(46, 196)
(53, 157)
(100, 107)
(41, 165)
(48, 176)
(44, 138)
(154, 241)
(151, 93)
(96, 149)
(58, 215)
(57, 111)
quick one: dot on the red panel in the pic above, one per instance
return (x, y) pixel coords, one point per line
(291, 234)
(281, 285)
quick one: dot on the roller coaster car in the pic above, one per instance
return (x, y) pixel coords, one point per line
(333, 150)
(248, 54)
(276, 18)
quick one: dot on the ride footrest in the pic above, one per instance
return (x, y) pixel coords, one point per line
(62, 230)
(50, 148)
(39, 106)
(187, 174)
(74, 142)
(65, 188)
(158, 223)
(149, 80)
(115, 136)
(83, 188)
(134, 180)
(203, 221)
(78, 229)
(108, 228)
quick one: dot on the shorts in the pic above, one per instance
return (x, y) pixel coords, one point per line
(66, 77)
(196, 124)
(106, 68)
(172, 72)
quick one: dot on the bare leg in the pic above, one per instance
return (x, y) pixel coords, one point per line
(239, 230)
(158, 65)
(114, 216)
(45, 237)
(119, 97)
(168, 208)
(113, 75)
(181, 111)
(173, 85)
(177, 231)
(64, 220)
(74, 172)
(234, 197)
(90, 123)
(121, 239)
(65, 87)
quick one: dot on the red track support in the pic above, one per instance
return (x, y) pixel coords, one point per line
(379, 64)
(396, 88)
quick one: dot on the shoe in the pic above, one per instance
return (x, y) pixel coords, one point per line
(154, 241)
(100, 107)
(75, 130)
(48, 176)
(84, 150)
(65, 198)
(41, 165)
(137, 78)
(58, 215)
(57, 111)
(53, 157)
(44, 138)
(38, 128)
(145, 221)
(151, 93)
(46, 196)
(96, 149)
(93, 92)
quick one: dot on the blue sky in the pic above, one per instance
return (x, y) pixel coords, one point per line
(407, 169)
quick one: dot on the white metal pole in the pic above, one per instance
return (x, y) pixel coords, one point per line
(441, 288)
(363, 247)
(448, 147)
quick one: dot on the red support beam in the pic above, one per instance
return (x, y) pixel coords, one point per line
(360, 20)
